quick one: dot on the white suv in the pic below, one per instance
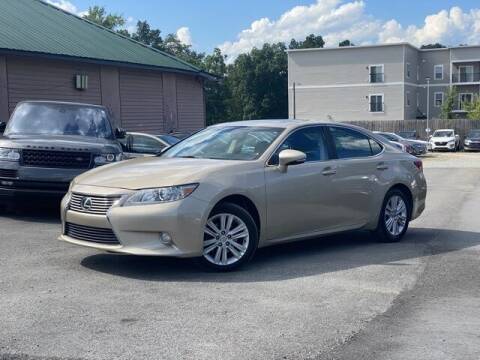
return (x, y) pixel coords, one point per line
(444, 139)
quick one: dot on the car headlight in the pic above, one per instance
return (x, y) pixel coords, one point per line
(451, 142)
(468, 142)
(158, 195)
(107, 158)
(9, 154)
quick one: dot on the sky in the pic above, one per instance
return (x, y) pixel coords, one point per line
(237, 27)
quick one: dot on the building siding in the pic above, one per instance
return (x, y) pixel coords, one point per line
(138, 100)
(36, 79)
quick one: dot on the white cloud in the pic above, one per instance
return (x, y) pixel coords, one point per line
(64, 5)
(337, 20)
(184, 35)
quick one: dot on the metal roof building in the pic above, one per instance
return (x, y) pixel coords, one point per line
(49, 54)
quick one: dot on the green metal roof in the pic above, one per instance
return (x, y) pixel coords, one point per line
(37, 27)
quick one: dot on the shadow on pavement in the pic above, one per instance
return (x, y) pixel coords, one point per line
(294, 260)
(37, 211)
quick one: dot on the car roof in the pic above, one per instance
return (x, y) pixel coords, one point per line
(60, 103)
(444, 130)
(277, 123)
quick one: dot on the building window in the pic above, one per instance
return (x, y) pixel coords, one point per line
(376, 103)
(466, 73)
(464, 99)
(408, 70)
(376, 73)
(407, 98)
(438, 72)
(438, 99)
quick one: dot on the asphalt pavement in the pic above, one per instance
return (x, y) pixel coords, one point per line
(342, 297)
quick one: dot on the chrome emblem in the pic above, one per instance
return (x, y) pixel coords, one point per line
(86, 203)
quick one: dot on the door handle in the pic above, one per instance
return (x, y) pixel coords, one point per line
(329, 171)
(382, 166)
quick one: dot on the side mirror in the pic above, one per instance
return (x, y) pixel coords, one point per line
(287, 158)
(120, 133)
(3, 126)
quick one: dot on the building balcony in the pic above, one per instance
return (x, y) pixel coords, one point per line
(465, 78)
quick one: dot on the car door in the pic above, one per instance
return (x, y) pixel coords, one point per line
(140, 145)
(300, 201)
(359, 167)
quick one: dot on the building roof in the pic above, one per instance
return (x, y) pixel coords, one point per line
(379, 46)
(33, 26)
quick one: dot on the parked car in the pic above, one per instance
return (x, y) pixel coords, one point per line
(46, 144)
(140, 144)
(472, 141)
(231, 188)
(408, 134)
(414, 147)
(444, 139)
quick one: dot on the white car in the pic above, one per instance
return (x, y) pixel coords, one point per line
(445, 139)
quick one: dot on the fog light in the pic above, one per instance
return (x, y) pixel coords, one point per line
(165, 238)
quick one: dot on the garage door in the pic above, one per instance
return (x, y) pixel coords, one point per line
(141, 99)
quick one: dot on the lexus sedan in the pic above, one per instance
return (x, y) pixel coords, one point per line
(232, 188)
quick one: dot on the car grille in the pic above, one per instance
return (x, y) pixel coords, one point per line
(56, 159)
(97, 205)
(91, 234)
(7, 173)
(441, 143)
(475, 145)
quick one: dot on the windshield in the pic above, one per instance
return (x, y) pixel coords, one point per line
(474, 134)
(443, 133)
(169, 139)
(407, 134)
(226, 143)
(390, 137)
(59, 119)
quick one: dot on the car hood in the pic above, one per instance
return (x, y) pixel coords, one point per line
(473, 138)
(68, 143)
(144, 173)
(417, 142)
(442, 139)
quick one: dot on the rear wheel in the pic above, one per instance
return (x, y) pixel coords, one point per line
(230, 238)
(394, 217)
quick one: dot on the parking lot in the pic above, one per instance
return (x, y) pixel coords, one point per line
(342, 297)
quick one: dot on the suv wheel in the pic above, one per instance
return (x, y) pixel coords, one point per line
(230, 238)
(394, 217)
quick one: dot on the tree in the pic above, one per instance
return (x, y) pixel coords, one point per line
(98, 15)
(346, 43)
(433, 46)
(311, 41)
(474, 109)
(449, 103)
(257, 82)
(147, 36)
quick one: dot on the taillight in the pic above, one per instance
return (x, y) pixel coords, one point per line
(419, 164)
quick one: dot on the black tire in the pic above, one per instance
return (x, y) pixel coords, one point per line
(240, 212)
(382, 233)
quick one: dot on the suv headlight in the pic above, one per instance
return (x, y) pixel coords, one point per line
(9, 154)
(158, 195)
(107, 158)
(451, 142)
(467, 142)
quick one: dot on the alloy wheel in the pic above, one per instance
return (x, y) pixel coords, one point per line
(395, 215)
(226, 239)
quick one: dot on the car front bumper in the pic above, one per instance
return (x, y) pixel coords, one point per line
(138, 228)
(472, 147)
(448, 147)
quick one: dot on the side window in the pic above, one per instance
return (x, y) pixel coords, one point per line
(376, 147)
(309, 140)
(145, 145)
(350, 143)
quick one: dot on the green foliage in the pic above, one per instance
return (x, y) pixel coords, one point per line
(311, 41)
(449, 102)
(345, 43)
(147, 36)
(433, 46)
(474, 109)
(98, 15)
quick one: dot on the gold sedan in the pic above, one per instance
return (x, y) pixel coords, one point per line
(231, 188)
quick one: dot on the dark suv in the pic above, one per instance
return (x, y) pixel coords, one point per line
(46, 144)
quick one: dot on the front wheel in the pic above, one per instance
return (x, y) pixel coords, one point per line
(230, 238)
(394, 217)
